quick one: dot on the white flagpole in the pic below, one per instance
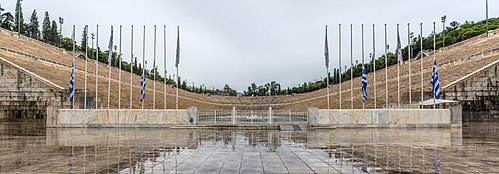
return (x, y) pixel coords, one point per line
(351, 66)
(339, 58)
(74, 65)
(86, 61)
(362, 28)
(374, 59)
(143, 62)
(97, 69)
(398, 70)
(409, 57)
(176, 63)
(421, 62)
(164, 54)
(109, 76)
(154, 72)
(327, 71)
(434, 57)
(119, 76)
(386, 70)
(131, 70)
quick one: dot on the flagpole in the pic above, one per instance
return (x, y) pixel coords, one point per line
(374, 59)
(386, 70)
(326, 51)
(86, 62)
(339, 58)
(409, 57)
(74, 65)
(176, 65)
(109, 70)
(131, 70)
(96, 67)
(164, 54)
(421, 62)
(143, 65)
(351, 66)
(434, 56)
(398, 70)
(154, 72)
(362, 28)
(119, 76)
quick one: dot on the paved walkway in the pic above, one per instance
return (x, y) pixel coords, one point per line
(284, 157)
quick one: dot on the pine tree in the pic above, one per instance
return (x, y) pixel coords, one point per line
(84, 39)
(18, 19)
(54, 35)
(34, 26)
(46, 28)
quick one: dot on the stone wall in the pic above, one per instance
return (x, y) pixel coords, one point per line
(25, 98)
(478, 93)
(120, 118)
(376, 118)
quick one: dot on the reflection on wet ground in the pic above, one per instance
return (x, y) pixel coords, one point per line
(33, 148)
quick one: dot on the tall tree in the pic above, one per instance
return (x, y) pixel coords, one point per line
(46, 28)
(34, 26)
(54, 35)
(84, 39)
(19, 19)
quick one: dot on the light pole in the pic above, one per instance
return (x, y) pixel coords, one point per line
(443, 28)
(487, 17)
(61, 21)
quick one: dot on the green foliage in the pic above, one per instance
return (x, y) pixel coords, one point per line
(34, 26)
(54, 34)
(46, 32)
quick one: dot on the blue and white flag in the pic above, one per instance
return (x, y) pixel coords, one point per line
(434, 81)
(71, 84)
(399, 50)
(143, 85)
(364, 84)
(110, 56)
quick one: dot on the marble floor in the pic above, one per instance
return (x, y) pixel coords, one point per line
(32, 148)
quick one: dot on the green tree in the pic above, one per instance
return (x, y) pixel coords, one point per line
(54, 35)
(19, 19)
(34, 26)
(46, 28)
(84, 39)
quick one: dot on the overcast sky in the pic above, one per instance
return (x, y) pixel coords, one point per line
(238, 42)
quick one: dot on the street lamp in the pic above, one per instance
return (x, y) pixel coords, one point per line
(443, 28)
(61, 21)
(487, 17)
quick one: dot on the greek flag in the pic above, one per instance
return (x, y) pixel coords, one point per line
(71, 84)
(399, 50)
(110, 49)
(364, 84)
(143, 85)
(434, 81)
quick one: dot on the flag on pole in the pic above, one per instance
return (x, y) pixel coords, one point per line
(177, 60)
(143, 85)
(110, 48)
(326, 51)
(434, 81)
(71, 84)
(399, 49)
(364, 84)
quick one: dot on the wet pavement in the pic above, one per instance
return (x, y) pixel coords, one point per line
(32, 148)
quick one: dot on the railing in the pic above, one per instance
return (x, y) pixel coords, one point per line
(251, 117)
